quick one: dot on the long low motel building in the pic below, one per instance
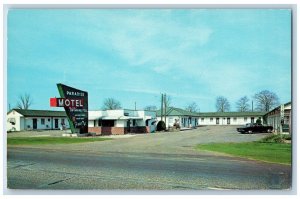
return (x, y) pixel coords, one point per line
(20, 119)
(275, 119)
(229, 118)
(184, 118)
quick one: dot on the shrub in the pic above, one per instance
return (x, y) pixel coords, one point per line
(258, 121)
(276, 138)
(161, 126)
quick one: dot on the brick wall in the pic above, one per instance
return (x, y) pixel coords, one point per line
(118, 130)
(107, 130)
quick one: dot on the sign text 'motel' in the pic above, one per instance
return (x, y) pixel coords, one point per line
(62, 102)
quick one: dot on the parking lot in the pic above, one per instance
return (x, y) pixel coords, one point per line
(159, 142)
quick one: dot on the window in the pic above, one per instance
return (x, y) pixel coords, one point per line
(211, 119)
(252, 119)
(63, 121)
(43, 121)
(48, 119)
(245, 119)
(108, 123)
(133, 122)
(202, 119)
(234, 119)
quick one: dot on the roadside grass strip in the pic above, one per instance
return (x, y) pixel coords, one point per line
(50, 140)
(269, 152)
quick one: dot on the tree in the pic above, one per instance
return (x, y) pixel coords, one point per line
(222, 104)
(242, 104)
(266, 100)
(193, 107)
(24, 101)
(111, 104)
(150, 108)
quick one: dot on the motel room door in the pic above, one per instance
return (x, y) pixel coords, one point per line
(128, 126)
(34, 123)
(56, 123)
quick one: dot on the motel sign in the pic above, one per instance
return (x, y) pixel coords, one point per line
(75, 103)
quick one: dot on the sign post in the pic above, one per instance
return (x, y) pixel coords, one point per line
(75, 103)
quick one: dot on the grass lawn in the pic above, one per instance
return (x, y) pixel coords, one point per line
(50, 140)
(270, 152)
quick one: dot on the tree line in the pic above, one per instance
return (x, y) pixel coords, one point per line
(265, 101)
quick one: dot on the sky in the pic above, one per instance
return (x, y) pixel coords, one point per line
(134, 55)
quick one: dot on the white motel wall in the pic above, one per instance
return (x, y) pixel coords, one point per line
(229, 118)
(18, 120)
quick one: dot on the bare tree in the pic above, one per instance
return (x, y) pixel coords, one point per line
(193, 107)
(111, 104)
(222, 104)
(266, 100)
(242, 104)
(24, 101)
(150, 108)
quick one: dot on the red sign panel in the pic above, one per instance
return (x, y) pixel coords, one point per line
(66, 102)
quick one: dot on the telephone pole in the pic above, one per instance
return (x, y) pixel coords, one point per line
(161, 110)
(165, 109)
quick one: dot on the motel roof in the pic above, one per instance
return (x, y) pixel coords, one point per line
(231, 114)
(172, 111)
(39, 113)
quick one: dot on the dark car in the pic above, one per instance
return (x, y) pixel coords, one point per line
(255, 128)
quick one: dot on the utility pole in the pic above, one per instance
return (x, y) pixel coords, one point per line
(161, 110)
(165, 109)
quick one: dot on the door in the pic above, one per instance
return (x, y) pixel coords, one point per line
(56, 123)
(217, 120)
(128, 126)
(228, 120)
(252, 119)
(34, 123)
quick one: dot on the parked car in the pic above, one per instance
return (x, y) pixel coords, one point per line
(255, 128)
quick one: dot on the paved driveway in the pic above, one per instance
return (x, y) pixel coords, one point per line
(182, 142)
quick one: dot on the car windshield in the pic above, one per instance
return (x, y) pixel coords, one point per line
(248, 125)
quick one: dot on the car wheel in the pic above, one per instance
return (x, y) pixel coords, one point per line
(250, 132)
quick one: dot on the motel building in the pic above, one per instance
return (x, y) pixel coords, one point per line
(20, 119)
(123, 121)
(184, 118)
(230, 118)
(280, 117)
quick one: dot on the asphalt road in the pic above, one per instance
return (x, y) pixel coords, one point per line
(165, 161)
